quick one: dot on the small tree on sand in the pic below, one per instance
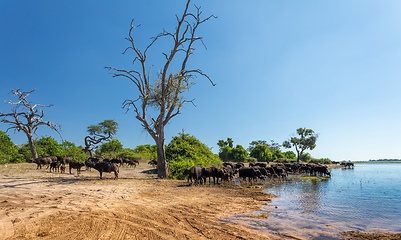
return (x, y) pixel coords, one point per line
(27, 117)
(165, 93)
(101, 132)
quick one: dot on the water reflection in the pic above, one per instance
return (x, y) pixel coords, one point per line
(364, 198)
(307, 196)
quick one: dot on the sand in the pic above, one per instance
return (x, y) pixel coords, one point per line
(37, 204)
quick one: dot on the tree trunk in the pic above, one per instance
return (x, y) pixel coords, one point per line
(162, 165)
(32, 146)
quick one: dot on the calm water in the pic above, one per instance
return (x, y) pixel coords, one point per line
(366, 198)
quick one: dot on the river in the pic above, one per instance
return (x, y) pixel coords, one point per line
(366, 198)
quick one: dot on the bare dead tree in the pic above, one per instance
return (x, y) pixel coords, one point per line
(165, 94)
(27, 117)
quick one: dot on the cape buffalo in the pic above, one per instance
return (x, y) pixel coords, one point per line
(250, 173)
(106, 167)
(76, 165)
(196, 173)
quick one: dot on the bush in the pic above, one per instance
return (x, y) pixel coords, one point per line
(147, 151)
(261, 153)
(185, 151)
(110, 148)
(285, 160)
(8, 150)
(321, 161)
(131, 154)
(70, 150)
(48, 146)
(251, 160)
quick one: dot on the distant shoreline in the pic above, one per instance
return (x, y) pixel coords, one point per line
(377, 162)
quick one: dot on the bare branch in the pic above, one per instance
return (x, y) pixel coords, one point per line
(165, 93)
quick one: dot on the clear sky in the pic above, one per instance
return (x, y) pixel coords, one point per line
(331, 66)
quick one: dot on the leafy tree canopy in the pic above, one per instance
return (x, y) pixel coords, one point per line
(290, 155)
(272, 145)
(107, 127)
(306, 140)
(110, 148)
(239, 154)
(261, 153)
(222, 143)
(48, 146)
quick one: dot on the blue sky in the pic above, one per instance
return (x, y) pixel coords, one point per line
(332, 66)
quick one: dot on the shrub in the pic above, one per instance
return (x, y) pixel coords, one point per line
(185, 151)
(147, 151)
(8, 150)
(131, 154)
(261, 153)
(251, 160)
(320, 160)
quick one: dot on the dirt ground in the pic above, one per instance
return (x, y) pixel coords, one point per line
(37, 204)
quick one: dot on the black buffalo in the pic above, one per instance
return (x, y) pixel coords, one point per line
(76, 165)
(321, 170)
(250, 173)
(55, 166)
(196, 174)
(42, 161)
(209, 172)
(106, 167)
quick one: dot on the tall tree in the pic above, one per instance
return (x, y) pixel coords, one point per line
(165, 93)
(261, 153)
(306, 140)
(27, 117)
(101, 132)
(272, 146)
(229, 142)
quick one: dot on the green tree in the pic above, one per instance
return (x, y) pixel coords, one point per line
(290, 155)
(101, 132)
(147, 151)
(305, 157)
(48, 146)
(185, 151)
(129, 153)
(110, 148)
(163, 96)
(70, 150)
(261, 153)
(239, 154)
(8, 150)
(225, 153)
(277, 154)
(256, 143)
(306, 140)
(272, 145)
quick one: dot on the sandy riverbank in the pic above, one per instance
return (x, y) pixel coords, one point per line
(36, 204)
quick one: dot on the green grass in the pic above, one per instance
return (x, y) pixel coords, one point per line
(314, 178)
(261, 216)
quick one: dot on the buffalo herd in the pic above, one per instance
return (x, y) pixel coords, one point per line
(195, 174)
(58, 164)
(253, 172)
